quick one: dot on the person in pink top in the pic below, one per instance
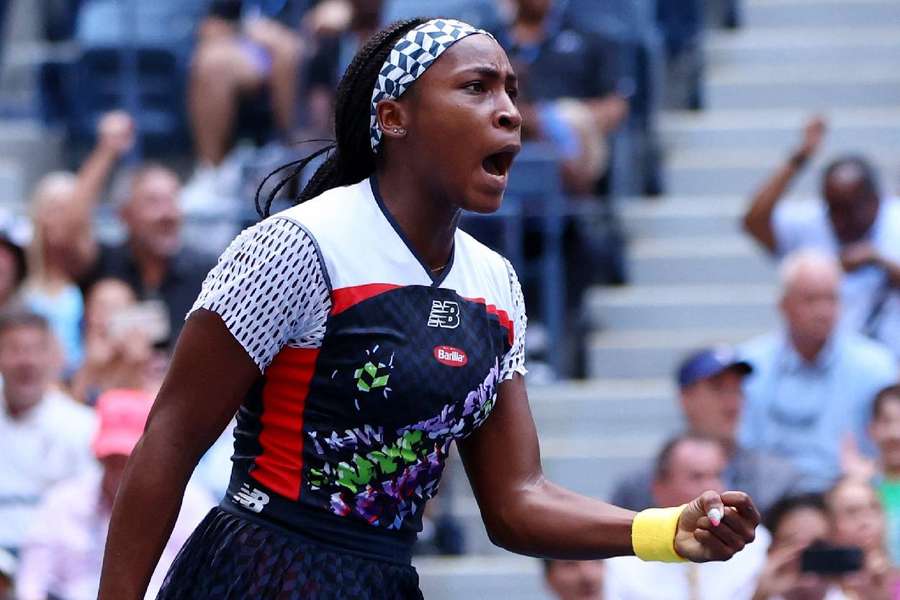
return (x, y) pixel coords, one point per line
(63, 551)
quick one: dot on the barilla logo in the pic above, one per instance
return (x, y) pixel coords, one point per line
(450, 356)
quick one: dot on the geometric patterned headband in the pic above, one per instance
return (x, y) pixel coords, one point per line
(410, 57)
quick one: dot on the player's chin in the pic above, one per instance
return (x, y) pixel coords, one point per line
(484, 200)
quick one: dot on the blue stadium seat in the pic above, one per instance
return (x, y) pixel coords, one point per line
(632, 25)
(101, 80)
(480, 13)
(681, 25)
(535, 193)
(119, 22)
(4, 5)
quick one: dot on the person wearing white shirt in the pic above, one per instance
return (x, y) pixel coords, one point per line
(62, 554)
(44, 435)
(685, 467)
(854, 222)
(813, 384)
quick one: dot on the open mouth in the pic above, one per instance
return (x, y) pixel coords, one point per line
(498, 164)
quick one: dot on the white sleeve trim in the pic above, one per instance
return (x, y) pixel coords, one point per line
(514, 360)
(271, 289)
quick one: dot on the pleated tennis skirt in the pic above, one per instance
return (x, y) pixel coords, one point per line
(230, 557)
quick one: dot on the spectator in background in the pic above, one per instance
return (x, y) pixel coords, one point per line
(796, 523)
(237, 55)
(812, 385)
(712, 399)
(13, 270)
(574, 579)
(63, 551)
(152, 259)
(49, 290)
(62, 205)
(857, 519)
(854, 222)
(44, 435)
(340, 27)
(883, 472)
(686, 467)
(885, 431)
(568, 100)
(567, 84)
(116, 355)
(798, 520)
(681, 26)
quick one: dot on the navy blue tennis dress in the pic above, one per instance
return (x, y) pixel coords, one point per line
(370, 369)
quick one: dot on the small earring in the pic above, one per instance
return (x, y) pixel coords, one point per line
(399, 130)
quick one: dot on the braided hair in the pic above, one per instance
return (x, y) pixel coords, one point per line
(350, 157)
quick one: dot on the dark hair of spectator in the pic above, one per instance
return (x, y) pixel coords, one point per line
(230, 10)
(869, 176)
(788, 504)
(891, 392)
(664, 459)
(350, 157)
(16, 319)
(18, 256)
(547, 563)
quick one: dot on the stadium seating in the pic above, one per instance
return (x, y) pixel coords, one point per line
(481, 13)
(631, 25)
(148, 77)
(534, 198)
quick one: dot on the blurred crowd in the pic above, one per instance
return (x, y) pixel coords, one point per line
(97, 274)
(223, 91)
(806, 418)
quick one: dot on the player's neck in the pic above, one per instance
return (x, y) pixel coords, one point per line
(427, 222)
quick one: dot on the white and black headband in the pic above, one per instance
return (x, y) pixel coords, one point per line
(409, 58)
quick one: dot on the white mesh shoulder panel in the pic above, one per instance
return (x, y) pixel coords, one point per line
(514, 360)
(271, 290)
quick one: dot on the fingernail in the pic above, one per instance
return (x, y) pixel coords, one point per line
(715, 516)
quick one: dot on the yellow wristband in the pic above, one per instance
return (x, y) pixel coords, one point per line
(653, 534)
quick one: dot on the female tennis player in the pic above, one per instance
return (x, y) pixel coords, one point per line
(358, 335)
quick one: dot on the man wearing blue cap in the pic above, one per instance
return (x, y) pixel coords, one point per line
(710, 390)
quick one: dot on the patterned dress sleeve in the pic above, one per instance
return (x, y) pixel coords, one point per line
(271, 289)
(514, 360)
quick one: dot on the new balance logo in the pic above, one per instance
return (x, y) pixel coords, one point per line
(444, 313)
(251, 498)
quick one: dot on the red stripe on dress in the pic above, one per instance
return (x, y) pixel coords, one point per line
(344, 298)
(502, 315)
(280, 465)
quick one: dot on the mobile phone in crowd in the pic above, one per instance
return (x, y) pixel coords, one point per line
(150, 317)
(831, 560)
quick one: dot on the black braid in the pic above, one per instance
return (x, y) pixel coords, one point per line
(351, 159)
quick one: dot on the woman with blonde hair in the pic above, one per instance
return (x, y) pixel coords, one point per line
(61, 209)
